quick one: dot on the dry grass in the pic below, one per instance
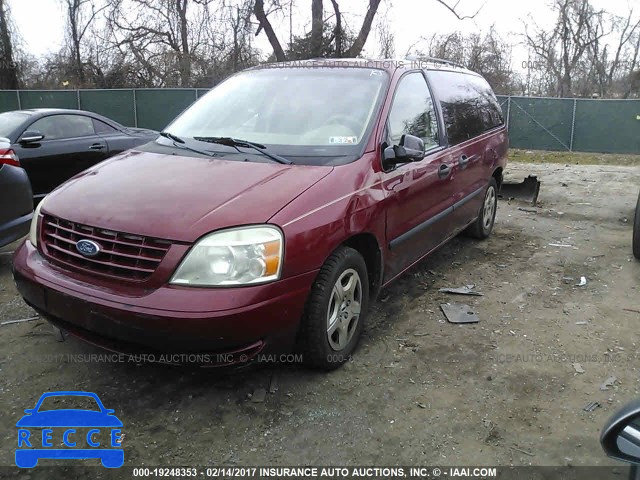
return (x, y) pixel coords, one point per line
(572, 158)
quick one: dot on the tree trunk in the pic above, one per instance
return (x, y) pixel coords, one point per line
(185, 53)
(317, 27)
(74, 11)
(8, 71)
(361, 39)
(338, 29)
(258, 10)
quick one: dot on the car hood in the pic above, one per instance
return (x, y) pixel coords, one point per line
(69, 418)
(178, 198)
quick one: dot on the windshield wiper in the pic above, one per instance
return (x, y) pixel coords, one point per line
(180, 143)
(236, 143)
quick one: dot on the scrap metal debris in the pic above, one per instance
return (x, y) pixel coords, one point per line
(273, 384)
(583, 282)
(464, 290)
(259, 395)
(59, 334)
(22, 320)
(459, 313)
(591, 406)
(523, 451)
(609, 382)
(528, 190)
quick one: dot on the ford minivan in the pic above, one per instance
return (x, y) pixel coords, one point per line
(271, 212)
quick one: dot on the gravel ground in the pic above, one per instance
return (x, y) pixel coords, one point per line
(509, 390)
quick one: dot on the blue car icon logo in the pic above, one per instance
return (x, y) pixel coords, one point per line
(82, 433)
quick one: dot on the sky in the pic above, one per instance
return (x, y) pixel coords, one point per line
(40, 23)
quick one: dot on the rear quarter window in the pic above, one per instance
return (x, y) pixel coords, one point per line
(469, 106)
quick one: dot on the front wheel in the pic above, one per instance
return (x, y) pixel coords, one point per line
(483, 225)
(335, 311)
(636, 231)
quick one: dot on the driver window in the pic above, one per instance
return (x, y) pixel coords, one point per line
(413, 112)
(63, 126)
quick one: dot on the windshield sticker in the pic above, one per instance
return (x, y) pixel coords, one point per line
(343, 140)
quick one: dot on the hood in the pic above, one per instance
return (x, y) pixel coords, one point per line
(178, 198)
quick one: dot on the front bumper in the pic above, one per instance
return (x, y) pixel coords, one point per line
(169, 319)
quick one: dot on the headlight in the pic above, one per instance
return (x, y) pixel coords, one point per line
(33, 231)
(239, 256)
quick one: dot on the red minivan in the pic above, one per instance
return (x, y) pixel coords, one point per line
(271, 212)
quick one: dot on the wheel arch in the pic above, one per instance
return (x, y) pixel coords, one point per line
(367, 245)
(497, 174)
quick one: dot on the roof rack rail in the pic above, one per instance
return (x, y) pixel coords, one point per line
(435, 60)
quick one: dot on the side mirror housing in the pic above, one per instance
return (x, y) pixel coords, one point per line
(411, 149)
(31, 136)
(620, 437)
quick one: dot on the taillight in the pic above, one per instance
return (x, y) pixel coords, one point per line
(9, 157)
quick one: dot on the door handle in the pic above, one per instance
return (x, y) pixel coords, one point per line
(97, 146)
(444, 170)
(463, 161)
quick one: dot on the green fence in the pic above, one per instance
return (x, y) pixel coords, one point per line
(583, 125)
(579, 125)
(147, 108)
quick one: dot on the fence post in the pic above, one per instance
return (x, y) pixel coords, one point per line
(19, 101)
(508, 111)
(78, 97)
(573, 124)
(135, 109)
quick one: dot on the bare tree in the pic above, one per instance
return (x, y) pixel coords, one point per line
(607, 67)
(81, 15)
(265, 24)
(386, 38)
(8, 68)
(162, 34)
(487, 54)
(564, 48)
(318, 28)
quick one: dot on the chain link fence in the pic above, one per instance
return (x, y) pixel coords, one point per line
(573, 124)
(580, 125)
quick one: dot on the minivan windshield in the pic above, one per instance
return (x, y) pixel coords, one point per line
(298, 111)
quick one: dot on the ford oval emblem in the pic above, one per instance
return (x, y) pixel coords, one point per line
(87, 248)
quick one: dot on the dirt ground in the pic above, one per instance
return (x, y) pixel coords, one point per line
(509, 390)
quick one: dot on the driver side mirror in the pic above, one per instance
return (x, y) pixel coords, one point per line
(411, 149)
(620, 437)
(31, 136)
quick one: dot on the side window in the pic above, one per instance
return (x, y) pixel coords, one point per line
(469, 106)
(412, 111)
(102, 128)
(63, 126)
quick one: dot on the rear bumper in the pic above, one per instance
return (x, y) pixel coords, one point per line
(15, 229)
(174, 322)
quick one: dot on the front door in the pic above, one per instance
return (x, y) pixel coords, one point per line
(69, 147)
(419, 193)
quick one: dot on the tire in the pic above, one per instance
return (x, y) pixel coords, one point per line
(332, 323)
(636, 231)
(483, 226)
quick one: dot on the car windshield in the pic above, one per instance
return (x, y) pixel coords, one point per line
(66, 402)
(9, 121)
(324, 111)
